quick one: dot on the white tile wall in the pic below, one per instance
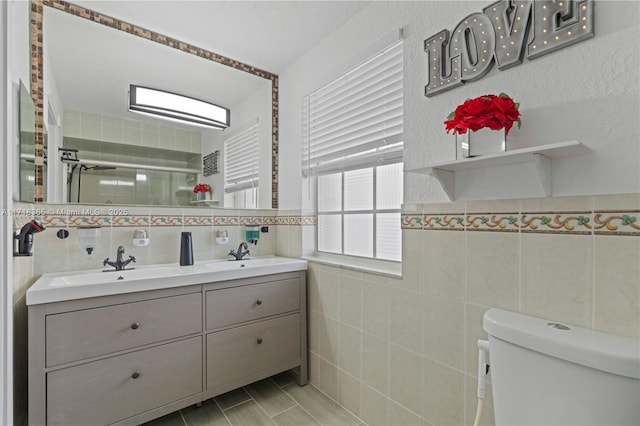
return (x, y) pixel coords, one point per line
(415, 344)
(403, 351)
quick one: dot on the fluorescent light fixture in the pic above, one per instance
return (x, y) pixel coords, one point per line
(174, 107)
(141, 177)
(116, 182)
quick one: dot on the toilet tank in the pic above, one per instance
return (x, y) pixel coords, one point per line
(545, 373)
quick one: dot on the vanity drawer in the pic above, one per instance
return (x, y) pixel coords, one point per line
(73, 336)
(105, 391)
(235, 305)
(242, 351)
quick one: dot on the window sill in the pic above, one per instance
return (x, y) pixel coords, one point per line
(369, 266)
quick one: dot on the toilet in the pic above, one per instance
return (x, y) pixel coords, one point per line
(546, 373)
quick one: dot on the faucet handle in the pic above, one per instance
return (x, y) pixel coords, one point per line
(105, 262)
(132, 258)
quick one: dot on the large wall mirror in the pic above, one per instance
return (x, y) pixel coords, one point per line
(99, 152)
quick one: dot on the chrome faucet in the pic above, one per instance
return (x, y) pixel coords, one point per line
(240, 254)
(119, 264)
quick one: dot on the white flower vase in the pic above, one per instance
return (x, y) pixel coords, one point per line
(481, 142)
(202, 196)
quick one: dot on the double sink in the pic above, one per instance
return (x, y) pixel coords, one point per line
(58, 287)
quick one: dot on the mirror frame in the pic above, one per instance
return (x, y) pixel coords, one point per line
(37, 77)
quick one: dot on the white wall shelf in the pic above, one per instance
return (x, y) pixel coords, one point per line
(540, 156)
(209, 203)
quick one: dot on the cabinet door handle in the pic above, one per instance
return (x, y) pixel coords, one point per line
(135, 375)
(258, 302)
(259, 340)
(135, 325)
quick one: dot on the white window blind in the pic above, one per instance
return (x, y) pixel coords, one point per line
(356, 120)
(241, 160)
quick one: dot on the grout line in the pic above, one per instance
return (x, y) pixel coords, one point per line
(338, 403)
(233, 406)
(222, 411)
(260, 407)
(184, 421)
(593, 266)
(286, 409)
(520, 262)
(302, 407)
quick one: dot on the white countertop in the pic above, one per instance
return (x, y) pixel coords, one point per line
(58, 287)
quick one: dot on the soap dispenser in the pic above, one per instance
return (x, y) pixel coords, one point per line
(252, 234)
(186, 249)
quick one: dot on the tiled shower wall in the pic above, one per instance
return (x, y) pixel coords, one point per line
(96, 127)
(403, 351)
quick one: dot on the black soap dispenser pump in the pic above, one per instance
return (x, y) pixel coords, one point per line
(186, 249)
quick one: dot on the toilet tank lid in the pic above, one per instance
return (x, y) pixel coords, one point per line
(607, 352)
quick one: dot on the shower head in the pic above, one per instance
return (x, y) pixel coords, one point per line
(97, 168)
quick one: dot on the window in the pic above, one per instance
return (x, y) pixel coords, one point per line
(241, 168)
(359, 212)
(353, 147)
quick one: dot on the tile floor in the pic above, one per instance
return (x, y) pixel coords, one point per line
(277, 400)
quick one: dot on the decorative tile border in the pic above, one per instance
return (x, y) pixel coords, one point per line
(78, 221)
(225, 220)
(131, 221)
(63, 221)
(309, 220)
(270, 220)
(284, 220)
(576, 223)
(411, 221)
(616, 223)
(453, 222)
(492, 222)
(619, 222)
(557, 223)
(250, 220)
(167, 221)
(37, 77)
(198, 221)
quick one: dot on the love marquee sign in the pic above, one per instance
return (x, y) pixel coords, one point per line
(503, 33)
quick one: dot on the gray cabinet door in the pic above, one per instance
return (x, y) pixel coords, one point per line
(236, 305)
(73, 336)
(247, 350)
(113, 389)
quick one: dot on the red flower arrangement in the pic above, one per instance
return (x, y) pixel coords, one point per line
(495, 112)
(202, 187)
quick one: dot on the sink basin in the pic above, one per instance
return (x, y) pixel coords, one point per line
(246, 263)
(96, 283)
(113, 276)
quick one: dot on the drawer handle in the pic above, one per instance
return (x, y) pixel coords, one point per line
(259, 340)
(135, 375)
(258, 302)
(135, 325)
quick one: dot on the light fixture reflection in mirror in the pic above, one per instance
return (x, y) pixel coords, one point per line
(38, 44)
(175, 107)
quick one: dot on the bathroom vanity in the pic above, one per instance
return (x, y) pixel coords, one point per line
(163, 342)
